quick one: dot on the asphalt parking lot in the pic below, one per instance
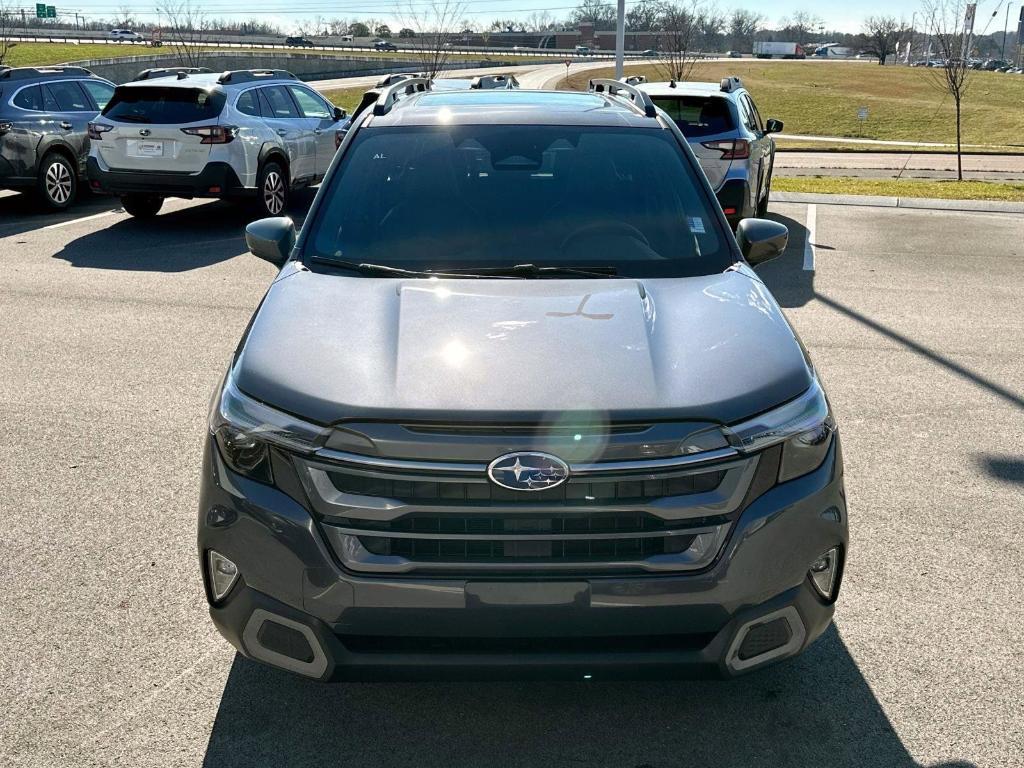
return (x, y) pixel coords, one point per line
(114, 333)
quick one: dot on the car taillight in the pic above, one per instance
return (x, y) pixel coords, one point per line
(213, 134)
(96, 130)
(731, 150)
(339, 136)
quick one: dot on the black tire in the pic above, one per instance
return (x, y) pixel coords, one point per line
(762, 204)
(56, 182)
(272, 191)
(142, 206)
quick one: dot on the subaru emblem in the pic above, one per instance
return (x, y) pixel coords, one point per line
(144, 132)
(528, 471)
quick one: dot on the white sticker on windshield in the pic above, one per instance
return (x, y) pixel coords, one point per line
(697, 225)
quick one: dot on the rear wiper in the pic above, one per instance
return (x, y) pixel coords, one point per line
(532, 270)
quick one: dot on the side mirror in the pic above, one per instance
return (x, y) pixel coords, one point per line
(340, 114)
(761, 240)
(271, 239)
(773, 126)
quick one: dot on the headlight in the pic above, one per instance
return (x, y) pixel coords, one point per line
(804, 426)
(246, 428)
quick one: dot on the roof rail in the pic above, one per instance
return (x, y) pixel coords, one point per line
(639, 99)
(634, 79)
(249, 75)
(389, 96)
(730, 84)
(155, 72)
(396, 77)
(25, 73)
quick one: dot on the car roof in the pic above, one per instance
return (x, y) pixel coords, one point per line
(688, 89)
(206, 80)
(514, 107)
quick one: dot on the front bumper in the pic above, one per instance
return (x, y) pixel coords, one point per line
(215, 180)
(350, 626)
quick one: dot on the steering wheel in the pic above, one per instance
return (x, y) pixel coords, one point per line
(605, 229)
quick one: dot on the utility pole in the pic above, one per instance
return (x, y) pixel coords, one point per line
(1006, 31)
(620, 40)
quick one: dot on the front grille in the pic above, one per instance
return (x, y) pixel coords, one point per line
(576, 492)
(631, 513)
(540, 551)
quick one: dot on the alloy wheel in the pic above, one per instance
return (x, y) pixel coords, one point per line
(273, 193)
(58, 183)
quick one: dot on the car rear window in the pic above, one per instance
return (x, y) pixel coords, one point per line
(698, 115)
(464, 196)
(160, 105)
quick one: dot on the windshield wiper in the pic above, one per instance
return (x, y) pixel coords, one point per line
(532, 270)
(366, 268)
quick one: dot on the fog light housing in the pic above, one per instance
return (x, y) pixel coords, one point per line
(823, 573)
(223, 575)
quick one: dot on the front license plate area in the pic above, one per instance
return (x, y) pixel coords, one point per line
(519, 594)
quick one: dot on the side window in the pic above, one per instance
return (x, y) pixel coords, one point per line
(280, 103)
(29, 98)
(101, 92)
(248, 103)
(69, 97)
(755, 119)
(310, 104)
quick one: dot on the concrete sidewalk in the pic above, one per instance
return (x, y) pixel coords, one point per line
(918, 203)
(887, 165)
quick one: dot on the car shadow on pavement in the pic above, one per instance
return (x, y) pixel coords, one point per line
(786, 278)
(22, 213)
(814, 710)
(1010, 469)
(176, 241)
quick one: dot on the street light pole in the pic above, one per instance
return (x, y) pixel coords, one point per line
(620, 39)
(1006, 31)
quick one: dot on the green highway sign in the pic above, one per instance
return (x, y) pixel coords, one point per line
(51, 12)
(40, 10)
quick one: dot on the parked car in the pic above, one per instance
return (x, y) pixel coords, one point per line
(44, 139)
(247, 134)
(384, 45)
(401, 475)
(125, 35)
(156, 72)
(299, 42)
(729, 138)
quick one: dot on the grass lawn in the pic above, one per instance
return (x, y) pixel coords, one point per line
(946, 190)
(346, 98)
(823, 98)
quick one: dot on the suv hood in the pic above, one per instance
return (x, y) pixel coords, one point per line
(328, 347)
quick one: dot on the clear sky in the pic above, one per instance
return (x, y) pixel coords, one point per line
(843, 15)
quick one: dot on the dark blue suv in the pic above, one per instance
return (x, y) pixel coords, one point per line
(44, 138)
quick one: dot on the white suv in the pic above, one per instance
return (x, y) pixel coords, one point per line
(125, 34)
(246, 134)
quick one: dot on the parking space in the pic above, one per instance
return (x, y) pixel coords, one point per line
(115, 332)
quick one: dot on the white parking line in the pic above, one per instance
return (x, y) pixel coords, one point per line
(79, 221)
(812, 215)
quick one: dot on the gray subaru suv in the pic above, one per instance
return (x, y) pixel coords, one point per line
(578, 441)
(44, 117)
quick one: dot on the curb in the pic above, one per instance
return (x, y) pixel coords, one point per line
(915, 203)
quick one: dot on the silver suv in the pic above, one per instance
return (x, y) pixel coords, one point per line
(245, 134)
(725, 131)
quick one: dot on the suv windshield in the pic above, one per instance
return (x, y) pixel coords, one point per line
(161, 106)
(697, 115)
(465, 196)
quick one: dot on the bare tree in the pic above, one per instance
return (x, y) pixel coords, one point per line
(742, 27)
(597, 12)
(6, 31)
(947, 23)
(680, 25)
(437, 26)
(800, 25)
(883, 35)
(125, 17)
(645, 16)
(186, 26)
